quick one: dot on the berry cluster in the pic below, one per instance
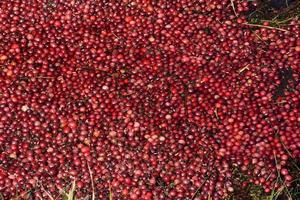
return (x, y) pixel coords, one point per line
(145, 99)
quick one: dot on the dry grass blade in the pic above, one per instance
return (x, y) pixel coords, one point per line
(110, 192)
(200, 187)
(92, 181)
(209, 198)
(289, 153)
(233, 7)
(48, 194)
(275, 195)
(268, 27)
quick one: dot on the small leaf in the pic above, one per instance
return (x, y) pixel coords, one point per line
(71, 195)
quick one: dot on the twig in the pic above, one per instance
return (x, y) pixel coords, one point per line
(44, 77)
(216, 114)
(268, 27)
(244, 68)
